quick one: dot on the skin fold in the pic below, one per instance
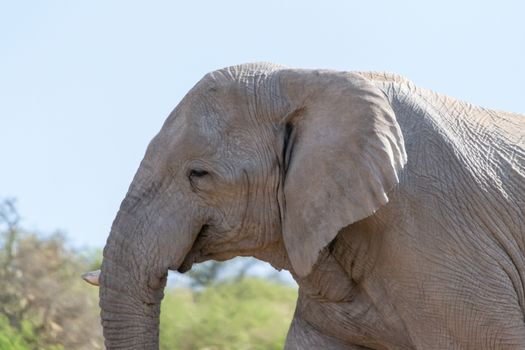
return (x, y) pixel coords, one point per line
(398, 211)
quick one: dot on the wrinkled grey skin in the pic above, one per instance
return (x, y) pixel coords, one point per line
(399, 212)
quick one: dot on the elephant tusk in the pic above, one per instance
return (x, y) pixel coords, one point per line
(92, 277)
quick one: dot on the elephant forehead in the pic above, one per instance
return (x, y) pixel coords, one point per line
(194, 139)
(211, 117)
(205, 137)
(210, 125)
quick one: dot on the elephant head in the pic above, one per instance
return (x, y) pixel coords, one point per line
(256, 160)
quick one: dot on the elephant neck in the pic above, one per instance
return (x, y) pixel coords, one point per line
(345, 263)
(274, 254)
(328, 281)
(333, 303)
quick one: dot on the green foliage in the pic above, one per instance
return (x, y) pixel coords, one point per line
(43, 302)
(23, 339)
(11, 338)
(248, 314)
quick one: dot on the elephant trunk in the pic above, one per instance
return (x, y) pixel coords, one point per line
(137, 256)
(129, 322)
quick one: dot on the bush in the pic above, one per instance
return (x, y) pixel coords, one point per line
(11, 338)
(248, 314)
(43, 302)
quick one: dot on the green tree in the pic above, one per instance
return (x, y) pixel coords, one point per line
(211, 272)
(42, 299)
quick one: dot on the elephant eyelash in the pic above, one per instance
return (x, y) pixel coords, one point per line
(196, 173)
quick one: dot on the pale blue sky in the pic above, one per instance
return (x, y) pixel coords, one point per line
(84, 85)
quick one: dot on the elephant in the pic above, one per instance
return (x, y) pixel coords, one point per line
(400, 212)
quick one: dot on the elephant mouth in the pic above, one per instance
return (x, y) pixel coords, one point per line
(195, 255)
(202, 251)
(188, 262)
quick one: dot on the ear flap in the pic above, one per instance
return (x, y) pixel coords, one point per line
(343, 154)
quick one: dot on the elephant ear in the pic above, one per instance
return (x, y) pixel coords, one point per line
(342, 154)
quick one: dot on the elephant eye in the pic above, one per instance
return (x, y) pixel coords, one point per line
(197, 173)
